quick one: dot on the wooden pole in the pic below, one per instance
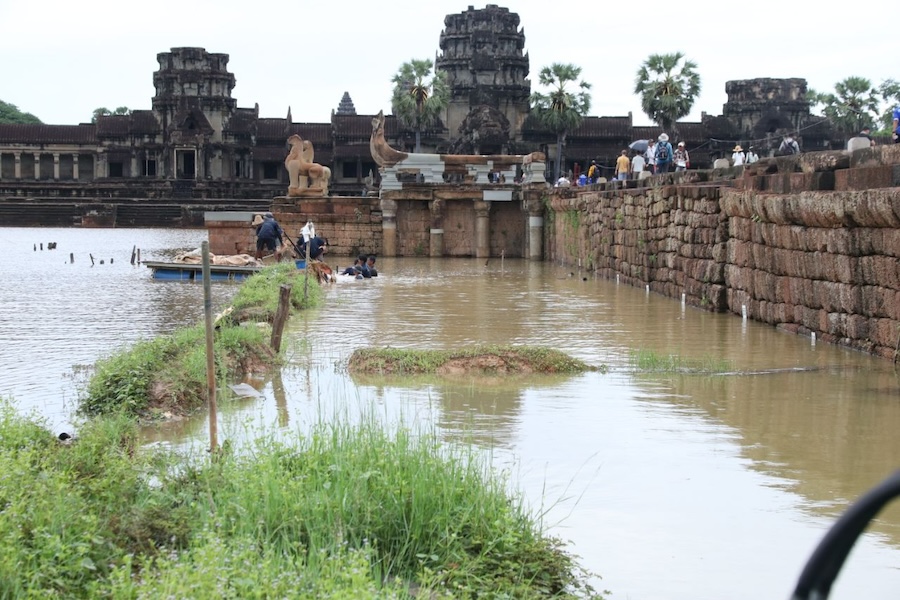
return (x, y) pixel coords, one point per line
(92, 259)
(306, 273)
(281, 315)
(133, 252)
(210, 350)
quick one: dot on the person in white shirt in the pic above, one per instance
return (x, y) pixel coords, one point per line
(752, 156)
(637, 165)
(737, 158)
(650, 156)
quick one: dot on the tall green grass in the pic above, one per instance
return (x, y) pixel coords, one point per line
(348, 511)
(508, 358)
(168, 373)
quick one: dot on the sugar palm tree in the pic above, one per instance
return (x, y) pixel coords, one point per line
(668, 85)
(854, 104)
(417, 100)
(560, 109)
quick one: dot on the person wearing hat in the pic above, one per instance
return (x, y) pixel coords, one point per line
(663, 154)
(268, 235)
(737, 157)
(682, 158)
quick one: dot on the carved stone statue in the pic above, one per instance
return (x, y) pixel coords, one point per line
(382, 153)
(307, 178)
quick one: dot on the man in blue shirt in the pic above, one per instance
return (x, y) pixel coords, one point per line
(268, 235)
(896, 127)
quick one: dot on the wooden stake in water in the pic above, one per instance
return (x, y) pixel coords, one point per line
(210, 350)
(281, 315)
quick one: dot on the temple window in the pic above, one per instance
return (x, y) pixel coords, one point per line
(116, 169)
(270, 170)
(348, 169)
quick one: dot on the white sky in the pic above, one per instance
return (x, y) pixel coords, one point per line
(62, 59)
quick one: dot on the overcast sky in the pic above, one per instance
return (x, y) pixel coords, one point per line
(62, 59)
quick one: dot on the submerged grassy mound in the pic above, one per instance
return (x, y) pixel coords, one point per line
(477, 359)
(168, 374)
(346, 512)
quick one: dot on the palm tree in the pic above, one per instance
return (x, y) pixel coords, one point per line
(416, 101)
(853, 105)
(560, 110)
(668, 85)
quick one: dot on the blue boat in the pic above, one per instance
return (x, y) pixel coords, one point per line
(190, 272)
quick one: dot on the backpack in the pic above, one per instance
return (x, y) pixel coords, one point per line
(663, 152)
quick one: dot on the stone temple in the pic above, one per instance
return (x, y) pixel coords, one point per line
(194, 142)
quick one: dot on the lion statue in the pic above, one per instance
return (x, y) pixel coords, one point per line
(306, 177)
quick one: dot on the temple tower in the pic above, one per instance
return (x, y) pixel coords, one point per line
(193, 104)
(481, 53)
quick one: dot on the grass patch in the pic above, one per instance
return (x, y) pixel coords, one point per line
(348, 511)
(648, 361)
(168, 374)
(475, 359)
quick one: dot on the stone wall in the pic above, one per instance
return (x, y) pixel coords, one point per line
(810, 244)
(351, 224)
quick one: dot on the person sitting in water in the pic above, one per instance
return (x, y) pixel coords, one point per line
(357, 266)
(370, 264)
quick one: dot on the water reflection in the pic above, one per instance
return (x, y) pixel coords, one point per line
(670, 486)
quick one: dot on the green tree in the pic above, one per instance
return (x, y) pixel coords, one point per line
(105, 112)
(417, 100)
(668, 85)
(10, 113)
(854, 104)
(890, 93)
(560, 109)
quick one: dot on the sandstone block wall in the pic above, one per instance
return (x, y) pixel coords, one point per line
(351, 224)
(809, 243)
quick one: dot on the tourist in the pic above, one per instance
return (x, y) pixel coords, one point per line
(752, 156)
(593, 172)
(737, 156)
(563, 182)
(682, 158)
(637, 165)
(788, 146)
(370, 265)
(650, 156)
(866, 132)
(623, 166)
(663, 154)
(582, 180)
(268, 235)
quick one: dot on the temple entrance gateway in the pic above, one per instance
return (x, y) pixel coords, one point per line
(186, 163)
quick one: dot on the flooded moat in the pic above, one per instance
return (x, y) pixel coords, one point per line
(668, 485)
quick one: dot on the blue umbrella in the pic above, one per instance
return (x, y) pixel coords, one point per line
(639, 145)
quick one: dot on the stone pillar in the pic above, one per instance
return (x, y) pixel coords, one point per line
(389, 227)
(56, 166)
(18, 165)
(133, 172)
(482, 229)
(37, 166)
(534, 208)
(437, 228)
(75, 166)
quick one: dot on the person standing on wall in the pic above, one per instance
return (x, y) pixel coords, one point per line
(650, 156)
(752, 156)
(637, 165)
(737, 156)
(663, 154)
(895, 128)
(682, 158)
(623, 166)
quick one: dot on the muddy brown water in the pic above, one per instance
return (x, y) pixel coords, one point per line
(668, 485)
